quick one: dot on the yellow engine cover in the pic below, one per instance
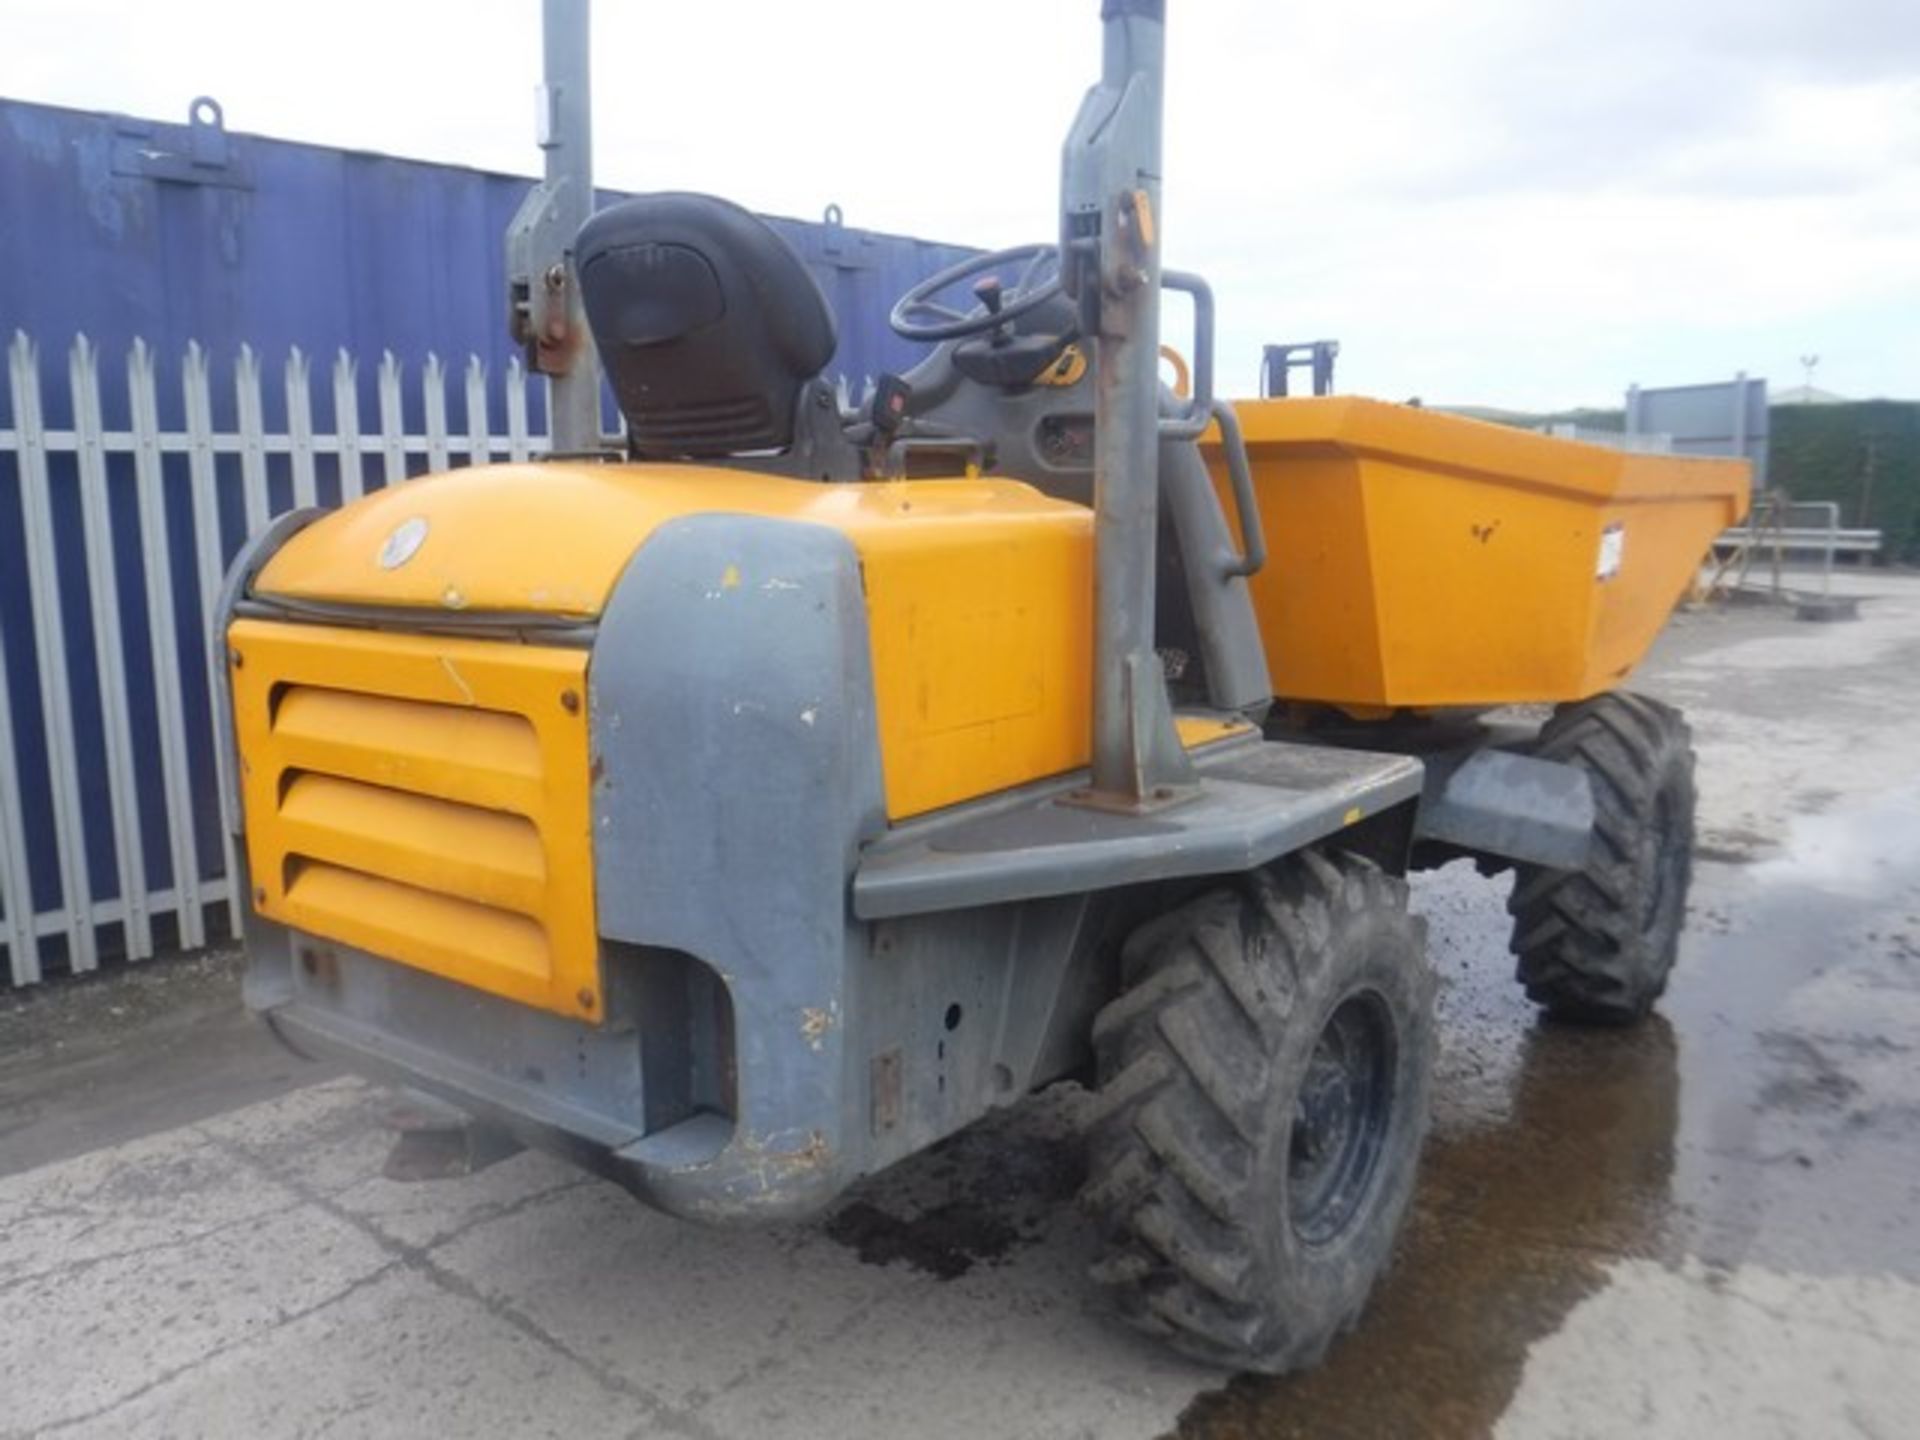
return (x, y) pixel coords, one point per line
(979, 592)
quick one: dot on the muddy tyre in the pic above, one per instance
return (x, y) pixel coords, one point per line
(1264, 1085)
(1597, 944)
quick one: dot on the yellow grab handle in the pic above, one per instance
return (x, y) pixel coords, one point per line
(1182, 375)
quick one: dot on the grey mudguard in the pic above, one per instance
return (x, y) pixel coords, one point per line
(737, 771)
(1256, 801)
(1518, 807)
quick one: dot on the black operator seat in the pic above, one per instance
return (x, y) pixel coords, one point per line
(709, 325)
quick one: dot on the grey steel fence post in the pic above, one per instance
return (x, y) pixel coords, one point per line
(109, 649)
(1833, 544)
(1830, 509)
(393, 427)
(519, 447)
(16, 883)
(433, 405)
(306, 492)
(163, 641)
(210, 563)
(479, 439)
(250, 415)
(50, 646)
(346, 428)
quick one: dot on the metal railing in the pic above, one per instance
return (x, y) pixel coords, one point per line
(1808, 539)
(1774, 530)
(124, 532)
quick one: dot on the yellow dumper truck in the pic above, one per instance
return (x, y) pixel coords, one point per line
(745, 806)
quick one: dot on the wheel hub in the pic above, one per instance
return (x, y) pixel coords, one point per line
(1340, 1119)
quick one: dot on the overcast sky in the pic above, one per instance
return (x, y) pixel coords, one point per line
(1510, 202)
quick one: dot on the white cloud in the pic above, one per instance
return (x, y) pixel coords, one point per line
(1490, 200)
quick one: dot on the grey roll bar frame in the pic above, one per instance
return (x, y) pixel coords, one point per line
(1110, 265)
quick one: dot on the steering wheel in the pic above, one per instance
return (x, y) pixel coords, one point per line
(917, 315)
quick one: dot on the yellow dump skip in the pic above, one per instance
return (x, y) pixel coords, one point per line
(426, 799)
(1426, 560)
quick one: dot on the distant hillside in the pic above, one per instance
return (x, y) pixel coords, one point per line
(1534, 420)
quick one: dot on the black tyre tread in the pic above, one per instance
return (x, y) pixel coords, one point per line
(1146, 998)
(1171, 1164)
(1577, 936)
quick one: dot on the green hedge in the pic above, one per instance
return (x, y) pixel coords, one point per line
(1825, 452)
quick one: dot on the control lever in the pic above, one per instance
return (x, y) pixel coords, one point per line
(886, 416)
(989, 291)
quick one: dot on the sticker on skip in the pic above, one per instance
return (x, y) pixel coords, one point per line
(1613, 548)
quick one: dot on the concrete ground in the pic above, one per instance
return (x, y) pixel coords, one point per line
(1705, 1225)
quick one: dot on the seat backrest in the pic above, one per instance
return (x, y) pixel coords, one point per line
(707, 322)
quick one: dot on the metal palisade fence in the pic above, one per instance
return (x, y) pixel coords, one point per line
(121, 506)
